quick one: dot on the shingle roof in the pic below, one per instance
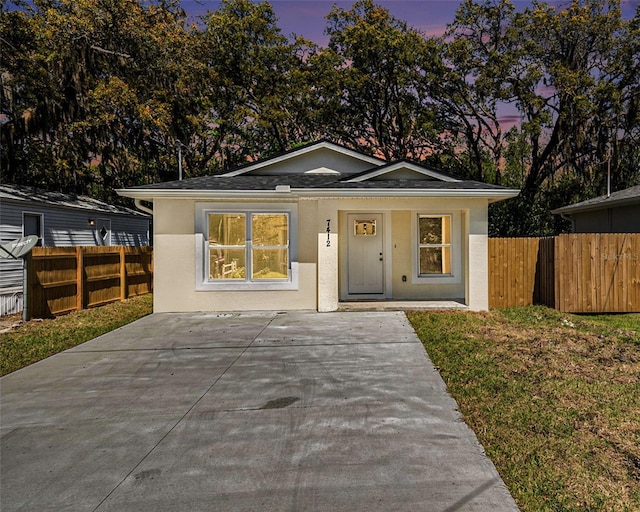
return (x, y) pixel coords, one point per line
(373, 182)
(32, 194)
(629, 195)
(311, 182)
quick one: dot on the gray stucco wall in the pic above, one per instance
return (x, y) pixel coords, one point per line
(624, 219)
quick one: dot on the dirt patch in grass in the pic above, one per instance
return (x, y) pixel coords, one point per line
(555, 400)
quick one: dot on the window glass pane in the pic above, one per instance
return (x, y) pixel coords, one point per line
(32, 225)
(269, 229)
(270, 264)
(431, 230)
(227, 263)
(364, 227)
(227, 229)
(431, 260)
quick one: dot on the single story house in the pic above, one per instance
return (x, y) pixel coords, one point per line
(59, 220)
(618, 212)
(315, 226)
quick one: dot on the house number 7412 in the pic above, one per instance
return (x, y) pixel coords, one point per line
(328, 232)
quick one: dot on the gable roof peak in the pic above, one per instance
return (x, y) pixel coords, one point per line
(415, 167)
(301, 150)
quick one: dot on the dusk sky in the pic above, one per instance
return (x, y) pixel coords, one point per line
(307, 17)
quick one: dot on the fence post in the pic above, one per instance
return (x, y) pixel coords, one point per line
(79, 279)
(27, 281)
(123, 274)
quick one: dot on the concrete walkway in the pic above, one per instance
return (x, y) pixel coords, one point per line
(294, 411)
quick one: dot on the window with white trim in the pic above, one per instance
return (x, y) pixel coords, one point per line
(248, 246)
(434, 245)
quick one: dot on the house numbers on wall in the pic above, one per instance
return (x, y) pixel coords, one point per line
(328, 232)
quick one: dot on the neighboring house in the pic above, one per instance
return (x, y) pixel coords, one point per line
(59, 220)
(616, 213)
(315, 226)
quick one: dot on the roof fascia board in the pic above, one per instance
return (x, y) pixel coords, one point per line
(151, 194)
(392, 192)
(399, 165)
(306, 149)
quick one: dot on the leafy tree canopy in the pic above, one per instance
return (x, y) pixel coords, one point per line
(101, 94)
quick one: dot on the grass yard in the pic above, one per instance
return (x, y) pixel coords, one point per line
(38, 339)
(554, 399)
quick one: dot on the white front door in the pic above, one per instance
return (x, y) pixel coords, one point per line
(366, 261)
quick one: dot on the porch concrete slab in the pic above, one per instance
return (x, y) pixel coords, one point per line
(234, 412)
(402, 305)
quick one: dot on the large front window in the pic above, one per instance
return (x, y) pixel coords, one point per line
(434, 245)
(248, 246)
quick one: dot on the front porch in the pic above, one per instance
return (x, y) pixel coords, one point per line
(402, 305)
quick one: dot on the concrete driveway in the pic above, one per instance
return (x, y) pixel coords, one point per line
(295, 411)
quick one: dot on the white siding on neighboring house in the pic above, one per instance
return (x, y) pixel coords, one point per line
(10, 270)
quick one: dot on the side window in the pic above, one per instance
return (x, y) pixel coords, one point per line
(434, 245)
(32, 225)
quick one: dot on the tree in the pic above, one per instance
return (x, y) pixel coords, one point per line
(567, 72)
(374, 90)
(475, 52)
(259, 95)
(89, 89)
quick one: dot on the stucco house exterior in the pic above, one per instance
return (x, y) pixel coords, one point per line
(317, 226)
(618, 212)
(59, 220)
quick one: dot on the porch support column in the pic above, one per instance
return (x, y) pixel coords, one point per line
(478, 259)
(327, 260)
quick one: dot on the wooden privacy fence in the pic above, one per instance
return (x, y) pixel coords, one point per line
(63, 279)
(521, 272)
(578, 273)
(602, 274)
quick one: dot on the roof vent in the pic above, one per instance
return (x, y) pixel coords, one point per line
(322, 170)
(283, 188)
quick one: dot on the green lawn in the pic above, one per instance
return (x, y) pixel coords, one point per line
(38, 339)
(553, 398)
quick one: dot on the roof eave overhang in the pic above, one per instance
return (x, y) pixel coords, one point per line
(151, 194)
(76, 207)
(604, 205)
